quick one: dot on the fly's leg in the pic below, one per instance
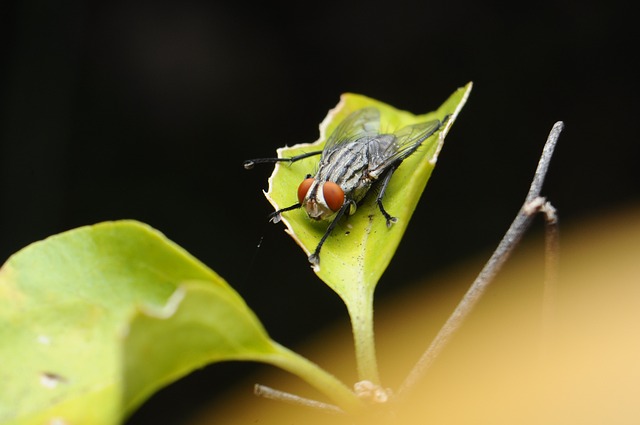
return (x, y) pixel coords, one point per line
(314, 258)
(275, 216)
(383, 187)
(248, 164)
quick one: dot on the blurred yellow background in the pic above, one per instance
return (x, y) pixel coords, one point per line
(501, 368)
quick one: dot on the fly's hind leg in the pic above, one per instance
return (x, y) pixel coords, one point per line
(383, 187)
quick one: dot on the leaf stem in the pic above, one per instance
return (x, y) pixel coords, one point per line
(361, 312)
(317, 377)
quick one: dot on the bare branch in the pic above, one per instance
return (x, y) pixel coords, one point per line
(552, 266)
(273, 394)
(533, 204)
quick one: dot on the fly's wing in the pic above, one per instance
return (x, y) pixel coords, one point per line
(407, 140)
(360, 123)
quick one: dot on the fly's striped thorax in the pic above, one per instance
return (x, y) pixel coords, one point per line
(347, 166)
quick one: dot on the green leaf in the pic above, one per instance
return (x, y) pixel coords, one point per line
(94, 320)
(202, 324)
(360, 248)
(64, 302)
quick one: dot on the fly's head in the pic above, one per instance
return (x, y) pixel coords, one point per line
(320, 199)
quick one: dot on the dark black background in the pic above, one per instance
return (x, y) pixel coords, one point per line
(145, 110)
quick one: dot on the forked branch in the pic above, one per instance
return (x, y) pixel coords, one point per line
(533, 205)
(273, 394)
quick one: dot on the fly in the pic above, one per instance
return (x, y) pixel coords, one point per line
(356, 158)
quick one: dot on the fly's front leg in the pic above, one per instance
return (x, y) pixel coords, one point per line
(383, 187)
(248, 164)
(314, 258)
(276, 216)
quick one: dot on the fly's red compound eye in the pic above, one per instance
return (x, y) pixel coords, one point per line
(333, 195)
(304, 188)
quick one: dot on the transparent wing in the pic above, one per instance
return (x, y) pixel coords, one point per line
(408, 139)
(360, 123)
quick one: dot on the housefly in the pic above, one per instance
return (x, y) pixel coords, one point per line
(355, 159)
